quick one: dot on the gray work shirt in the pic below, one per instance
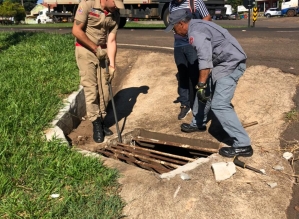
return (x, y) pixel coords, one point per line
(216, 48)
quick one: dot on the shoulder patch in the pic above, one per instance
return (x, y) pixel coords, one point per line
(191, 40)
(80, 10)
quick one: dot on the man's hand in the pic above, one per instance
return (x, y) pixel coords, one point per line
(109, 75)
(201, 92)
(101, 53)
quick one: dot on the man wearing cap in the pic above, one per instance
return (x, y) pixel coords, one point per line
(221, 62)
(185, 57)
(95, 27)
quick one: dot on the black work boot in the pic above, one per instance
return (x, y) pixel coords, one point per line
(185, 127)
(98, 133)
(107, 131)
(184, 111)
(246, 151)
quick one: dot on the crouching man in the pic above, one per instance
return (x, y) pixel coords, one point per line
(221, 62)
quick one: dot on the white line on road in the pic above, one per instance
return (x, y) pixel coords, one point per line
(288, 31)
(156, 47)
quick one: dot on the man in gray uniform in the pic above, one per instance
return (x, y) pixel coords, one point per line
(221, 63)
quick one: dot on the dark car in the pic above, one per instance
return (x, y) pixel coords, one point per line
(234, 16)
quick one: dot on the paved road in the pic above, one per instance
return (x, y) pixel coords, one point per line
(272, 42)
(271, 47)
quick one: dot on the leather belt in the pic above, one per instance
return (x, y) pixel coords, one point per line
(104, 46)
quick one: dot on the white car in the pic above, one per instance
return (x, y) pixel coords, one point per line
(271, 12)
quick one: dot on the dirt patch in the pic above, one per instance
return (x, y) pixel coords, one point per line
(144, 99)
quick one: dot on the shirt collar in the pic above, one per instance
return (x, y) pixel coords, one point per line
(97, 4)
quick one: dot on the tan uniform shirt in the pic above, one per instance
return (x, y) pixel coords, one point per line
(98, 24)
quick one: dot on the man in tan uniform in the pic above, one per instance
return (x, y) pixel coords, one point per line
(95, 27)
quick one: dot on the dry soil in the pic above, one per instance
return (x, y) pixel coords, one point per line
(145, 90)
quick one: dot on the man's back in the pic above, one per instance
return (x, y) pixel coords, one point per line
(216, 47)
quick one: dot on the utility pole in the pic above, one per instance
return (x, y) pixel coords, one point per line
(249, 8)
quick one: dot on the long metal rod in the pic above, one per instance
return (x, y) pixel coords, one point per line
(112, 101)
(245, 125)
(158, 152)
(136, 162)
(149, 154)
(174, 144)
(198, 154)
(141, 144)
(144, 157)
(160, 169)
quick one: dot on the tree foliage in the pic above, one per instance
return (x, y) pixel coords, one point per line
(15, 10)
(235, 3)
(28, 4)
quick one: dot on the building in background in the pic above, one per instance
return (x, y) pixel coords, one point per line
(263, 5)
(31, 18)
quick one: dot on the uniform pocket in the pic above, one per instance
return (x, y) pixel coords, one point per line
(96, 18)
(239, 71)
(242, 67)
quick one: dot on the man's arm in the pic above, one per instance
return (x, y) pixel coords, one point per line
(111, 48)
(207, 18)
(203, 75)
(203, 11)
(202, 43)
(82, 38)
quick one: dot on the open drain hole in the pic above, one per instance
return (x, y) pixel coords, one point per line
(158, 152)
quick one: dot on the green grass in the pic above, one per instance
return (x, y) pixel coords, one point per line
(37, 71)
(69, 25)
(129, 25)
(137, 25)
(48, 25)
(292, 116)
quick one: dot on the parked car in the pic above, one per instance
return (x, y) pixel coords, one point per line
(234, 16)
(271, 12)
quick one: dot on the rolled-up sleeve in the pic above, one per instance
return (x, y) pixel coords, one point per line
(82, 12)
(202, 43)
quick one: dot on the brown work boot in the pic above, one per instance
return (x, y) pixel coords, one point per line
(98, 133)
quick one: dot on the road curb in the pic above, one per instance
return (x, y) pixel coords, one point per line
(68, 118)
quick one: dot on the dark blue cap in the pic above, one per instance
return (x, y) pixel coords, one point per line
(176, 17)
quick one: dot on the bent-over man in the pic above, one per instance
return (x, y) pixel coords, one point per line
(221, 62)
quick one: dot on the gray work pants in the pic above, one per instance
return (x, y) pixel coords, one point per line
(222, 93)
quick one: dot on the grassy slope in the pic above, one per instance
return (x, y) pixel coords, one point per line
(37, 71)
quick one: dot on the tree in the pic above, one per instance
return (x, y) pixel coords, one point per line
(28, 4)
(15, 10)
(20, 16)
(235, 4)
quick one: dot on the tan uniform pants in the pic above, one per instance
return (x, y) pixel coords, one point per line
(92, 79)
